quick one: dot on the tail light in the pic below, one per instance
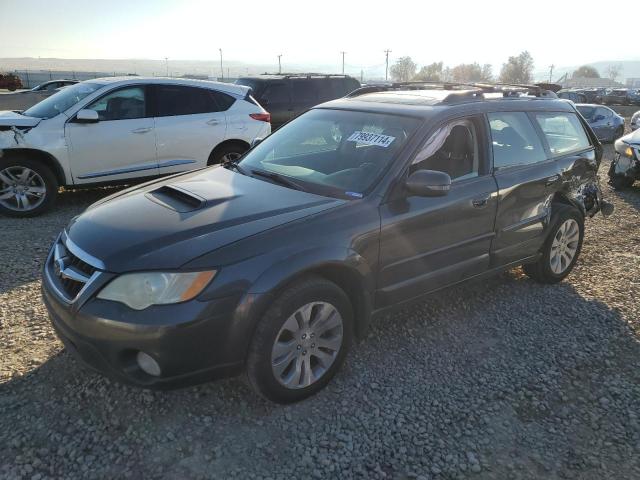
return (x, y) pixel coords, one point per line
(262, 117)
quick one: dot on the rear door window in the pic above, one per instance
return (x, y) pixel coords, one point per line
(276, 93)
(515, 141)
(173, 100)
(563, 131)
(304, 91)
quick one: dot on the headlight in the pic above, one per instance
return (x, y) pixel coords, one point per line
(141, 290)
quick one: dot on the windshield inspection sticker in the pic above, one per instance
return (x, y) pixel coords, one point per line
(371, 139)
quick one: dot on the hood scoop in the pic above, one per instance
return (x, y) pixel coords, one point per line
(177, 198)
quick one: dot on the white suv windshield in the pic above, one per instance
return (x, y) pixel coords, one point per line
(61, 101)
(332, 151)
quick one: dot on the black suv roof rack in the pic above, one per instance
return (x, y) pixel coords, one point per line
(305, 74)
(461, 91)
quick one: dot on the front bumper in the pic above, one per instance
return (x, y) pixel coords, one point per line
(193, 342)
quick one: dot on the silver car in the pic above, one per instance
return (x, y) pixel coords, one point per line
(635, 121)
(607, 124)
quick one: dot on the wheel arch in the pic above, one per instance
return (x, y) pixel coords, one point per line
(560, 199)
(40, 156)
(351, 273)
(226, 143)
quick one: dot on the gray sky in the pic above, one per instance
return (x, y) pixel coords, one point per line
(311, 31)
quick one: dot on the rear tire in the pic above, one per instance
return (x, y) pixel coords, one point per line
(291, 358)
(561, 249)
(27, 187)
(227, 153)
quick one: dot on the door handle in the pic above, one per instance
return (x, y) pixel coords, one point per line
(213, 121)
(551, 180)
(480, 202)
(141, 130)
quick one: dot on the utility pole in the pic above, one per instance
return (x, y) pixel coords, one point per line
(343, 61)
(361, 75)
(551, 72)
(279, 64)
(221, 68)
(166, 61)
(386, 71)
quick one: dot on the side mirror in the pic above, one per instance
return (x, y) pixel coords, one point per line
(87, 116)
(428, 183)
(256, 142)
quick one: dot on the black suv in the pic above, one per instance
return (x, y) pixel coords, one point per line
(273, 265)
(286, 96)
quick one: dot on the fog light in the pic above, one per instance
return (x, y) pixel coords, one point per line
(148, 364)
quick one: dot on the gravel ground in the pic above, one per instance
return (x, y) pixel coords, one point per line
(506, 379)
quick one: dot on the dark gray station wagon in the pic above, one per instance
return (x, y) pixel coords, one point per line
(271, 265)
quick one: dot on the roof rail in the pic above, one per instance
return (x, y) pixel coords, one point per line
(305, 74)
(469, 90)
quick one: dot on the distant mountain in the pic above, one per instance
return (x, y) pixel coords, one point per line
(151, 67)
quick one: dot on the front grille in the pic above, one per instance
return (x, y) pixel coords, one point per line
(69, 271)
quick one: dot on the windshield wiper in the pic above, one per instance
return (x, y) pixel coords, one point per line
(281, 179)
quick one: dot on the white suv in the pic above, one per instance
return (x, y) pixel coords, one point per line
(114, 130)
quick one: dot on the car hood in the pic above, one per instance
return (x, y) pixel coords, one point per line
(10, 118)
(163, 225)
(633, 138)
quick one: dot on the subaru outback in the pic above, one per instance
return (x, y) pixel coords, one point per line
(272, 265)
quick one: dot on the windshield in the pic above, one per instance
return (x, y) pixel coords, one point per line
(587, 112)
(62, 100)
(333, 152)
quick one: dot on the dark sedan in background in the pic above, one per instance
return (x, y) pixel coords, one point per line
(605, 123)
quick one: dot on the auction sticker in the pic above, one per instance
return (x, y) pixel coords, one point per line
(367, 138)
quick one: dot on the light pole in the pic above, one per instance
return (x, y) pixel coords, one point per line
(279, 64)
(550, 71)
(166, 61)
(386, 71)
(343, 61)
(221, 69)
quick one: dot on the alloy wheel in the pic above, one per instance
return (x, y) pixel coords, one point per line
(564, 246)
(21, 189)
(307, 345)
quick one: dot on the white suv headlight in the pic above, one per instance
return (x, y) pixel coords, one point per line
(141, 290)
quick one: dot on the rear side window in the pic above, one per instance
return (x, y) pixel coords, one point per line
(515, 141)
(223, 100)
(174, 100)
(276, 93)
(304, 91)
(563, 131)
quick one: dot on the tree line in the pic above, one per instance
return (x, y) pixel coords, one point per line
(517, 69)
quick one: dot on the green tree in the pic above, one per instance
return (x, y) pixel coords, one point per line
(403, 70)
(517, 69)
(430, 73)
(472, 72)
(586, 71)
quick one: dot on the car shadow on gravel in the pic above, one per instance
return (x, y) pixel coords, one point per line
(505, 379)
(25, 241)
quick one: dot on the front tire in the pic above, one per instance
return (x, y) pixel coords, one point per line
(618, 181)
(27, 187)
(301, 341)
(226, 153)
(561, 248)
